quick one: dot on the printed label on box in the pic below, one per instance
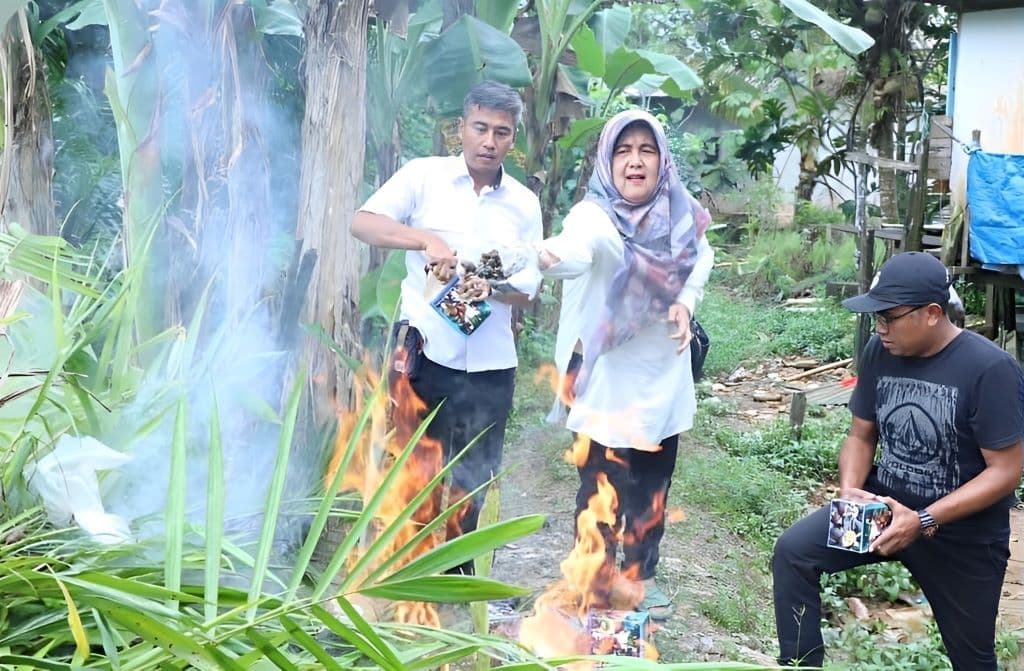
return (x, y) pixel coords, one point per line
(464, 315)
(618, 632)
(854, 525)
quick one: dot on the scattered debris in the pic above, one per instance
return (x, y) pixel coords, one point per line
(857, 607)
(737, 375)
(14, 535)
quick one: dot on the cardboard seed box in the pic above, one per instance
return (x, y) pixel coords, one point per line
(618, 632)
(853, 525)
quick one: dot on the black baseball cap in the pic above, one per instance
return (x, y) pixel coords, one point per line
(911, 278)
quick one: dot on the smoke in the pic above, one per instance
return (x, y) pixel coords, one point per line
(222, 258)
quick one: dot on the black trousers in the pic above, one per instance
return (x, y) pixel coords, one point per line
(473, 404)
(641, 481)
(962, 581)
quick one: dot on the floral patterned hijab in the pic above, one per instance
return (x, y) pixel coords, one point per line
(659, 238)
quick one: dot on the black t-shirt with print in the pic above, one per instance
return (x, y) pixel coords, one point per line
(933, 414)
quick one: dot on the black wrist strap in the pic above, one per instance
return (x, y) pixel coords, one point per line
(928, 524)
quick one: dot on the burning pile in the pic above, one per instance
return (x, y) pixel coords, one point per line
(591, 611)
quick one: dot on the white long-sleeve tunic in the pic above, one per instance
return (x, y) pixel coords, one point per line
(642, 391)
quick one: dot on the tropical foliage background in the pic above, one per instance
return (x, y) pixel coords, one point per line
(177, 282)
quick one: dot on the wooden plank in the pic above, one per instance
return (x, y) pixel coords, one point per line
(963, 270)
(820, 369)
(833, 393)
(890, 233)
(939, 167)
(880, 162)
(884, 233)
(915, 227)
(1000, 280)
(964, 241)
(942, 126)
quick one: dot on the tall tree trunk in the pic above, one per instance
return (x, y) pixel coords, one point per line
(808, 173)
(332, 167)
(26, 167)
(887, 190)
(226, 199)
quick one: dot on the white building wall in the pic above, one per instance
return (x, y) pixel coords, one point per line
(989, 88)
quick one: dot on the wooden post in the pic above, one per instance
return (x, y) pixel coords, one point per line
(864, 321)
(915, 222)
(965, 257)
(965, 240)
(1018, 333)
(991, 326)
(865, 254)
(797, 411)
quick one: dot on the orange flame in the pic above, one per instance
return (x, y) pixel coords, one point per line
(590, 580)
(650, 520)
(375, 451)
(580, 451)
(675, 515)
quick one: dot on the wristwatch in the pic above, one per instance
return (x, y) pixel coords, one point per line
(928, 524)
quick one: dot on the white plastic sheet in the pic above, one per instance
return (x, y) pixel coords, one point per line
(66, 480)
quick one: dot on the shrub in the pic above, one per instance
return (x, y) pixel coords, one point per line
(877, 582)
(825, 333)
(812, 457)
(808, 215)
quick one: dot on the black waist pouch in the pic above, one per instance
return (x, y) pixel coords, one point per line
(406, 350)
(699, 344)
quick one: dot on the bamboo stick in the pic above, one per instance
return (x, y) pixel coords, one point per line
(819, 369)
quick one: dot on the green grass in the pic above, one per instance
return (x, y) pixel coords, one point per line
(744, 330)
(738, 602)
(736, 327)
(810, 459)
(825, 333)
(864, 647)
(748, 498)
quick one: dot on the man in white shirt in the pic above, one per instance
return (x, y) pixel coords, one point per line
(435, 208)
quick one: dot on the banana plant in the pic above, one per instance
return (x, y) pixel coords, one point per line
(603, 56)
(431, 69)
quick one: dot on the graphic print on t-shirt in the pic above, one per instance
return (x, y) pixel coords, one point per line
(917, 431)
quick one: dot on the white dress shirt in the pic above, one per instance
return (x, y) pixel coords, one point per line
(436, 193)
(640, 392)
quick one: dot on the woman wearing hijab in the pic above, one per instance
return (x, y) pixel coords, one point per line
(634, 260)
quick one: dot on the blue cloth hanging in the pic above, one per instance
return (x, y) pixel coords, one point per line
(995, 194)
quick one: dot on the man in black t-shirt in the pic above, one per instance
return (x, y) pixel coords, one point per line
(944, 406)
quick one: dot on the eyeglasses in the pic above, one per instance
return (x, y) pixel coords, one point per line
(886, 320)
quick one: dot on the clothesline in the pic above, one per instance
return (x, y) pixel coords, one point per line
(967, 147)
